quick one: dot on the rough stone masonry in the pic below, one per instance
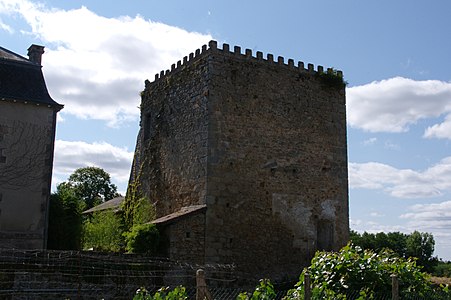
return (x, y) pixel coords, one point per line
(245, 159)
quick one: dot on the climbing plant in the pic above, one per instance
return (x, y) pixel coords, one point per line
(332, 78)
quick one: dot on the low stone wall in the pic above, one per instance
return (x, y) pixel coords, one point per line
(92, 275)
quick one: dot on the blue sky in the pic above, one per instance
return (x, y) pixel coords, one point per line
(395, 56)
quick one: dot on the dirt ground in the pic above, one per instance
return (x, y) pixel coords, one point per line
(441, 280)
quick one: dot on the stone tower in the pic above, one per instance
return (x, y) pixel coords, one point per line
(245, 159)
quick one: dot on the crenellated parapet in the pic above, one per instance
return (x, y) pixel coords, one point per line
(234, 142)
(248, 54)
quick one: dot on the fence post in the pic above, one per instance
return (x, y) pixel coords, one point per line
(394, 287)
(307, 291)
(202, 292)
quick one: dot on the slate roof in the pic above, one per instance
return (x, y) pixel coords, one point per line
(183, 212)
(22, 80)
(113, 204)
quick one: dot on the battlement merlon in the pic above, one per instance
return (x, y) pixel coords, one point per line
(213, 46)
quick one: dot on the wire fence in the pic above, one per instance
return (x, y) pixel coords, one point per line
(94, 275)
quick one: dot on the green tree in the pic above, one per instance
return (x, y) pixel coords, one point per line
(397, 242)
(442, 269)
(92, 185)
(103, 231)
(365, 240)
(421, 245)
(363, 272)
(84, 188)
(65, 220)
(143, 238)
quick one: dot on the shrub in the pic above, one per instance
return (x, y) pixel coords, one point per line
(363, 272)
(264, 291)
(178, 293)
(143, 238)
(65, 222)
(442, 269)
(103, 232)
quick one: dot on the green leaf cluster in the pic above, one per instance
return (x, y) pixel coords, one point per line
(143, 238)
(137, 209)
(264, 291)
(103, 231)
(443, 269)
(419, 245)
(353, 270)
(178, 293)
(92, 185)
(65, 220)
(332, 78)
(138, 212)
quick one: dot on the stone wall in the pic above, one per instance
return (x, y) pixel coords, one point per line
(185, 239)
(262, 143)
(26, 149)
(38, 274)
(277, 166)
(173, 135)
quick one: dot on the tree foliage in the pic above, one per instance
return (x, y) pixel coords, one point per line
(354, 273)
(103, 231)
(420, 245)
(178, 293)
(142, 238)
(363, 272)
(417, 244)
(137, 208)
(92, 185)
(443, 269)
(264, 291)
(65, 220)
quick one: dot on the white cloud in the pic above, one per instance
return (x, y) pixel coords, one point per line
(5, 27)
(392, 146)
(434, 218)
(394, 104)
(376, 214)
(375, 227)
(95, 65)
(418, 221)
(441, 131)
(371, 175)
(70, 156)
(402, 183)
(370, 141)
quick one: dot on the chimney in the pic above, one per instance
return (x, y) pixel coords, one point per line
(35, 53)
